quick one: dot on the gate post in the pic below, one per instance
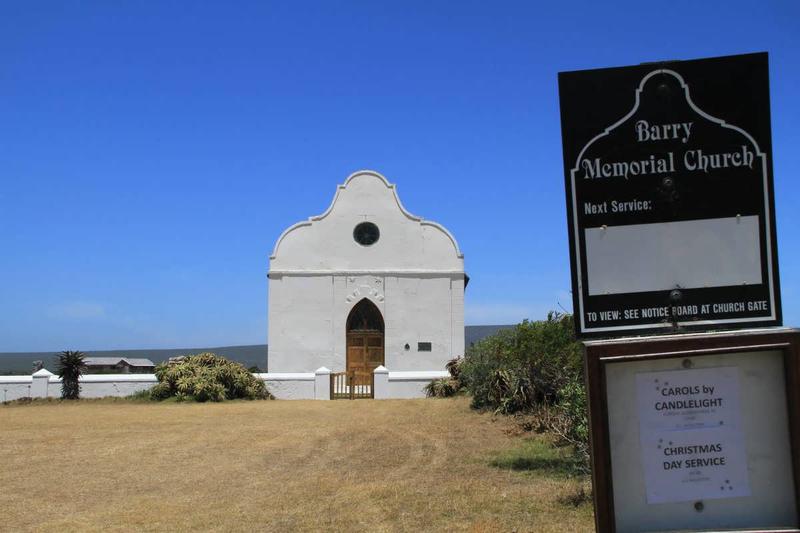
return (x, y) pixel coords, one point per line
(380, 383)
(322, 383)
(39, 383)
(351, 386)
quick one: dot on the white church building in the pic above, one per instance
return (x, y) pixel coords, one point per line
(366, 285)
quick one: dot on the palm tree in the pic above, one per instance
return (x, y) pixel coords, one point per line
(70, 367)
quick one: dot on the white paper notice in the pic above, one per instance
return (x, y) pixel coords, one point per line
(691, 434)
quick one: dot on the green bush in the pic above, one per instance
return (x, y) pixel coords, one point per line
(160, 391)
(525, 366)
(206, 377)
(574, 408)
(534, 368)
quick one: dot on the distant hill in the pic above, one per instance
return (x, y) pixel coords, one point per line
(252, 355)
(22, 362)
(473, 334)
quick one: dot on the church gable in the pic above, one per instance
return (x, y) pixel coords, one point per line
(366, 228)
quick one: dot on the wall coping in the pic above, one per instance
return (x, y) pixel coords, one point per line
(88, 378)
(414, 375)
(112, 378)
(420, 375)
(286, 376)
(409, 375)
(15, 379)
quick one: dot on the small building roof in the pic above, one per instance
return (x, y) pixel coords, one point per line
(111, 361)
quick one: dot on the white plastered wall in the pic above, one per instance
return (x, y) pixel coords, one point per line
(283, 386)
(414, 274)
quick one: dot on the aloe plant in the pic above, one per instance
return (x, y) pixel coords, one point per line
(71, 365)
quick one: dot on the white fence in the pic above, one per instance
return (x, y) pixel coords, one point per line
(284, 386)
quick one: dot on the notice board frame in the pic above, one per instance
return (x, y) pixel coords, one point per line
(598, 354)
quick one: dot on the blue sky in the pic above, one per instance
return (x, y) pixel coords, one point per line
(151, 153)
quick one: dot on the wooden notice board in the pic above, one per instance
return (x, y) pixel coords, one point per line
(697, 432)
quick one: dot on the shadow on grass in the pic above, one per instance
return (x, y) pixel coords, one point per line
(538, 455)
(547, 464)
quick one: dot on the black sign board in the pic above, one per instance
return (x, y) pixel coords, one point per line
(668, 170)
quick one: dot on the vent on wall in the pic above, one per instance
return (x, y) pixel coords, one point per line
(423, 346)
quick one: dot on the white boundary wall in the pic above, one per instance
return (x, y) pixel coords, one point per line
(410, 384)
(44, 384)
(15, 387)
(292, 386)
(284, 386)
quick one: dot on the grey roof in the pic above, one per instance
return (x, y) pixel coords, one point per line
(111, 361)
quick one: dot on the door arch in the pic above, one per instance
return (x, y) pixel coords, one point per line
(365, 337)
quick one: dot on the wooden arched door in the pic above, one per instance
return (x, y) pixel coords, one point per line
(365, 328)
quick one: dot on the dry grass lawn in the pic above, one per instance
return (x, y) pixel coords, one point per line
(397, 465)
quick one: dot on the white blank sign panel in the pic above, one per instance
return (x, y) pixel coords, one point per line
(689, 254)
(754, 488)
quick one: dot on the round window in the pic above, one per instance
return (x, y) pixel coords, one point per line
(366, 233)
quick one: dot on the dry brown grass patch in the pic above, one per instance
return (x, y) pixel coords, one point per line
(396, 465)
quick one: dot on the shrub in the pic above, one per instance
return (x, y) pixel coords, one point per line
(533, 368)
(446, 387)
(442, 388)
(525, 366)
(453, 366)
(574, 408)
(71, 365)
(160, 391)
(206, 377)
